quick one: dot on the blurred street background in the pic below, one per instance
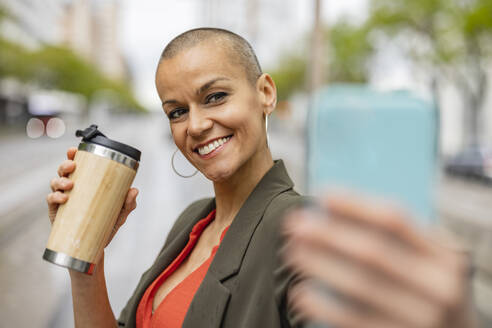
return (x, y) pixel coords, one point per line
(65, 64)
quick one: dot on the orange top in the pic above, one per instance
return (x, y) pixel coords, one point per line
(172, 310)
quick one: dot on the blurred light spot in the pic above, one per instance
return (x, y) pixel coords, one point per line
(55, 128)
(34, 128)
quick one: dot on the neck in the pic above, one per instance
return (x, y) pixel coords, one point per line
(231, 194)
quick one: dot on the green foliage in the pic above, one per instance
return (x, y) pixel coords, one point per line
(419, 15)
(58, 67)
(446, 30)
(477, 24)
(422, 26)
(348, 52)
(289, 76)
(3, 13)
(477, 16)
(14, 60)
(449, 38)
(61, 68)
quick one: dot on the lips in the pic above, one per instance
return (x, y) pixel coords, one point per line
(211, 145)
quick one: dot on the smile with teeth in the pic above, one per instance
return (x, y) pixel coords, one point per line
(207, 149)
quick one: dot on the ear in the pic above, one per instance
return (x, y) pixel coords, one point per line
(268, 93)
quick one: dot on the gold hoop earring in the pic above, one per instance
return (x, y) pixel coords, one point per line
(266, 127)
(174, 168)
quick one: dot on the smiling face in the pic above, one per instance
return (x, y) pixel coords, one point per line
(216, 114)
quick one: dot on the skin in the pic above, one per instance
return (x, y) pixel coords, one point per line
(210, 97)
(385, 272)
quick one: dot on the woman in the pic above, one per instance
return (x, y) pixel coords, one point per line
(218, 102)
(219, 266)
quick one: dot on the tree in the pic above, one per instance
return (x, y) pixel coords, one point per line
(56, 67)
(447, 38)
(289, 76)
(348, 50)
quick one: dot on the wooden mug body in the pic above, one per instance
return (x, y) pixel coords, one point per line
(84, 223)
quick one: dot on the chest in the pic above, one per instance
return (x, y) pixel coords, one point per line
(199, 255)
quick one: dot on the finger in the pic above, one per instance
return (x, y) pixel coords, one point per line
(131, 199)
(129, 205)
(365, 246)
(56, 198)
(381, 216)
(378, 253)
(364, 286)
(71, 153)
(61, 184)
(66, 168)
(323, 309)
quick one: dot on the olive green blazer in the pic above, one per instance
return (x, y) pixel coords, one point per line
(246, 284)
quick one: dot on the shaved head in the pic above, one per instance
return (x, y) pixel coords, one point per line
(239, 50)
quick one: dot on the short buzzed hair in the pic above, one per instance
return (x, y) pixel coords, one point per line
(240, 49)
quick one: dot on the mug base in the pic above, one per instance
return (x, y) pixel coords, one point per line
(67, 261)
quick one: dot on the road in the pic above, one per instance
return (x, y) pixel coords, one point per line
(34, 293)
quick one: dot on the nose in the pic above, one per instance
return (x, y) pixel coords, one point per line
(198, 122)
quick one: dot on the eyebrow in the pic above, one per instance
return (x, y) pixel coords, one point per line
(209, 84)
(200, 90)
(170, 101)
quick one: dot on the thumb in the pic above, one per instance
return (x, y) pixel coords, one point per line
(129, 205)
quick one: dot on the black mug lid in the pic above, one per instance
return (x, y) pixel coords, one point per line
(93, 135)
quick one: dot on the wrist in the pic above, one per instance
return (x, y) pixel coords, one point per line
(97, 273)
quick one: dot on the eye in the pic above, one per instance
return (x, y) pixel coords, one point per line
(177, 113)
(215, 97)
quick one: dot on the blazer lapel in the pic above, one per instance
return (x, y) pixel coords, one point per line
(210, 301)
(168, 254)
(208, 305)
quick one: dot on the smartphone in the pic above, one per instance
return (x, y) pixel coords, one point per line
(381, 143)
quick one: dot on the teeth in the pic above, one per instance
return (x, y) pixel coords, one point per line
(211, 146)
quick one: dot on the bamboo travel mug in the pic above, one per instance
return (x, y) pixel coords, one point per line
(104, 172)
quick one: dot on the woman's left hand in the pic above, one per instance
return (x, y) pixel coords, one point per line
(366, 266)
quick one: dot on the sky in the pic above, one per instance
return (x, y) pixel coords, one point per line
(147, 26)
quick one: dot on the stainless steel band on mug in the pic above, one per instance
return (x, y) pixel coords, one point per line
(109, 153)
(67, 261)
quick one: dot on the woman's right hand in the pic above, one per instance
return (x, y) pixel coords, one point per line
(63, 183)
